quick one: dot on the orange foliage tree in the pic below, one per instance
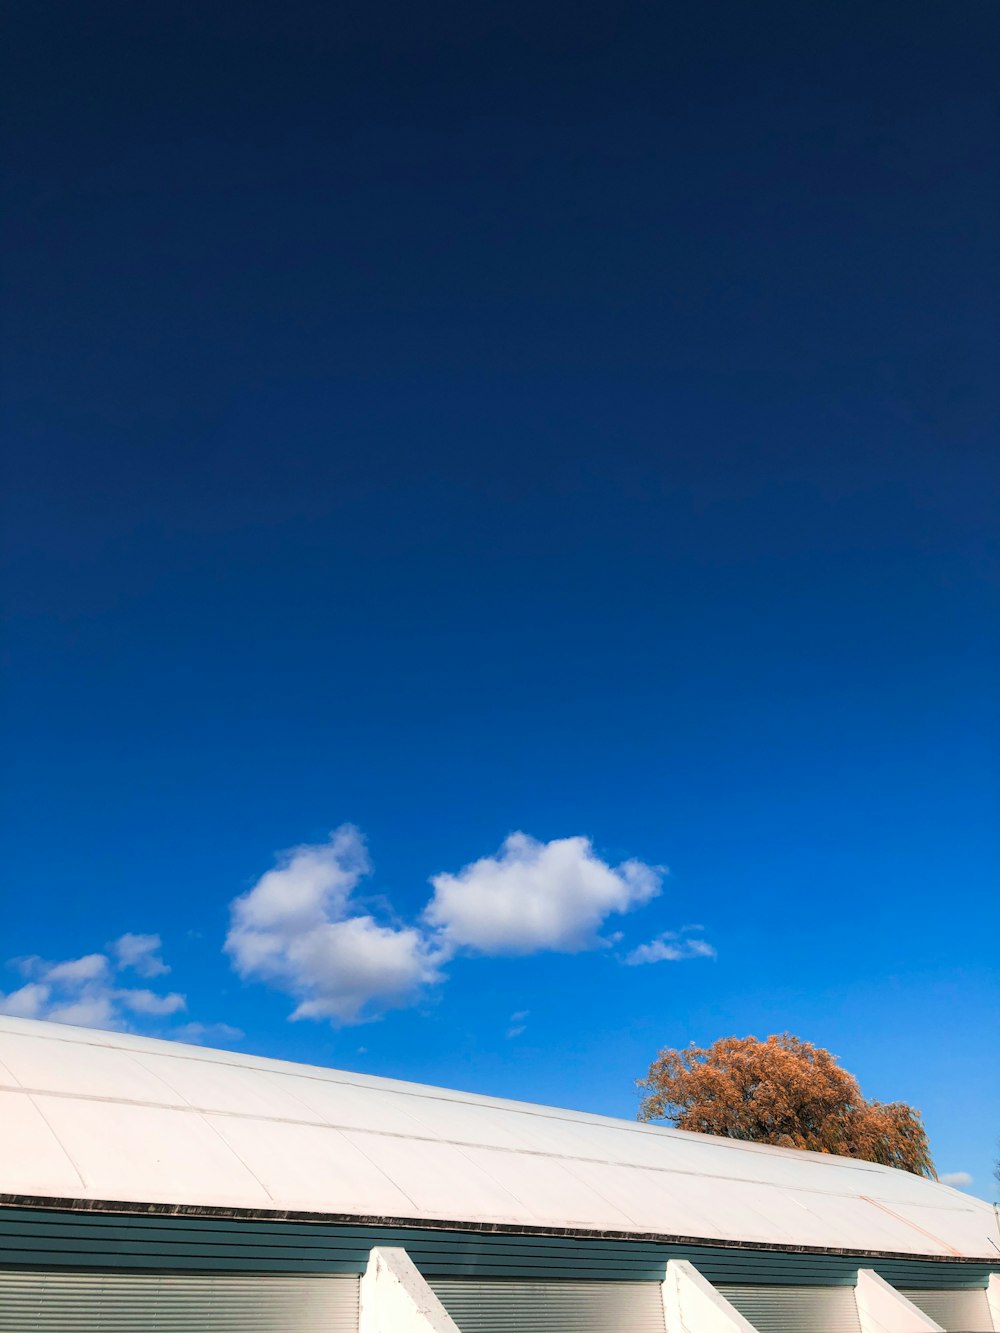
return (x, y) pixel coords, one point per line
(786, 1092)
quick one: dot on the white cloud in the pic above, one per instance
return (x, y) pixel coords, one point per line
(96, 1010)
(670, 947)
(311, 884)
(141, 953)
(956, 1178)
(78, 970)
(296, 930)
(82, 991)
(28, 1002)
(85, 991)
(148, 1002)
(306, 929)
(536, 896)
(351, 966)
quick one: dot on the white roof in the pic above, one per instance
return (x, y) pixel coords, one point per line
(94, 1115)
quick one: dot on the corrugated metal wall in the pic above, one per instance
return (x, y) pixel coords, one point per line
(773, 1308)
(956, 1311)
(552, 1307)
(82, 1302)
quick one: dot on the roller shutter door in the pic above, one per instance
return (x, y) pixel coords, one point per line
(86, 1302)
(957, 1311)
(781, 1309)
(552, 1307)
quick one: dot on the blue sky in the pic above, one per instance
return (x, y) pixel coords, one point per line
(454, 424)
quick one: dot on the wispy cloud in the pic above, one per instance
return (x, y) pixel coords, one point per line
(199, 1033)
(517, 1023)
(147, 1002)
(670, 947)
(141, 953)
(91, 991)
(956, 1178)
(93, 967)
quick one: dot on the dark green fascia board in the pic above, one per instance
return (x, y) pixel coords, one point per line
(86, 1233)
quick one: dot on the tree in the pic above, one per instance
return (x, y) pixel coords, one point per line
(786, 1092)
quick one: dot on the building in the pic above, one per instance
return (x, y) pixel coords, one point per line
(149, 1185)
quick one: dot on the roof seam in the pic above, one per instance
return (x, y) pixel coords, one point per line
(348, 1130)
(59, 1143)
(375, 1083)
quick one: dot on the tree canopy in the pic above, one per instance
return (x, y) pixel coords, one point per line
(786, 1092)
